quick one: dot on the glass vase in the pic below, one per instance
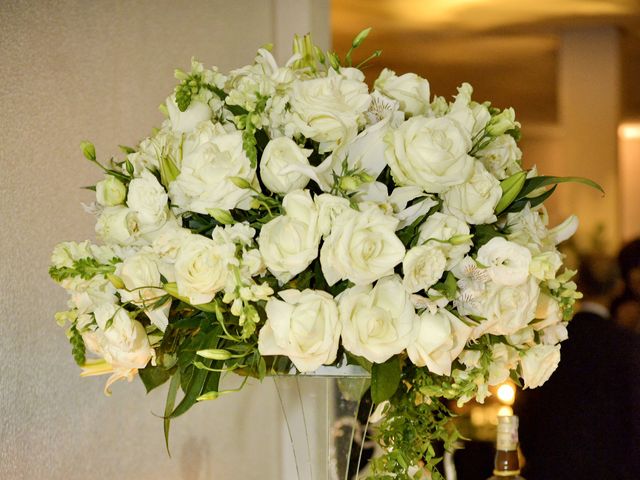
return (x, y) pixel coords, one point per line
(326, 419)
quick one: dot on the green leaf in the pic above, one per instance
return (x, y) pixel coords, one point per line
(534, 183)
(533, 202)
(483, 233)
(168, 407)
(127, 150)
(153, 376)
(385, 378)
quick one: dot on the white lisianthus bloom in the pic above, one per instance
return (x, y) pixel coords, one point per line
(141, 274)
(529, 227)
(507, 262)
(279, 154)
(440, 338)
(545, 265)
(451, 233)
(110, 192)
(123, 343)
(423, 266)
(362, 247)
(203, 182)
(472, 116)
(117, 225)
(87, 295)
(187, 121)
(430, 153)
(330, 207)
(202, 268)
(504, 358)
(538, 363)
(501, 157)
(329, 110)
(411, 91)
(289, 243)
(509, 308)
(377, 322)
(168, 242)
(475, 200)
(148, 199)
(304, 326)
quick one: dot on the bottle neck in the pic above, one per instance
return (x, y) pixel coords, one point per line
(506, 463)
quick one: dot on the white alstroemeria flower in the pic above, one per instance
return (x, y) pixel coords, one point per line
(304, 326)
(141, 275)
(439, 340)
(377, 322)
(289, 243)
(475, 200)
(430, 153)
(362, 247)
(280, 154)
(187, 121)
(538, 363)
(411, 91)
(202, 267)
(204, 180)
(423, 266)
(507, 262)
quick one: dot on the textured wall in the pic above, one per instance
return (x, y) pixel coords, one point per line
(98, 70)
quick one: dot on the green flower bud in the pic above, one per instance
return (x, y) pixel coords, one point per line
(208, 396)
(240, 182)
(168, 170)
(116, 281)
(349, 184)
(460, 239)
(88, 150)
(503, 122)
(510, 189)
(222, 216)
(360, 37)
(214, 354)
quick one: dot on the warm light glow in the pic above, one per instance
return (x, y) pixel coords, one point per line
(507, 393)
(505, 411)
(629, 131)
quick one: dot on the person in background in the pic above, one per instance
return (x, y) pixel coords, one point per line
(578, 424)
(626, 308)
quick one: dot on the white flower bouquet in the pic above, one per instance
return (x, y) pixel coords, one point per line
(287, 215)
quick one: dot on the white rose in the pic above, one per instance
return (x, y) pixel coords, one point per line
(202, 267)
(475, 200)
(439, 340)
(547, 312)
(329, 109)
(304, 326)
(554, 334)
(362, 247)
(148, 199)
(430, 153)
(538, 363)
(279, 154)
(203, 182)
(447, 228)
(508, 308)
(422, 267)
(110, 192)
(501, 157)
(289, 243)
(410, 90)
(507, 262)
(330, 207)
(168, 241)
(377, 322)
(140, 273)
(117, 225)
(185, 122)
(124, 343)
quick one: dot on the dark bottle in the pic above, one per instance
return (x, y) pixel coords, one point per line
(507, 464)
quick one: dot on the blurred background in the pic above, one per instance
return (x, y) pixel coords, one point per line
(75, 70)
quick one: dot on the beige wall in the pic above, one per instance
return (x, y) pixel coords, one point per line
(98, 70)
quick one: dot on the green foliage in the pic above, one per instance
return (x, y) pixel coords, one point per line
(153, 376)
(385, 378)
(85, 268)
(77, 345)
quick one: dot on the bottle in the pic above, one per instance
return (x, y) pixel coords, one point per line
(507, 464)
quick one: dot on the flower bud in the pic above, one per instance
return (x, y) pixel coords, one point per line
(503, 122)
(88, 150)
(221, 216)
(239, 182)
(214, 354)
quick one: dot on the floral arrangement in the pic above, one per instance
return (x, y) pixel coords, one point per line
(287, 215)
